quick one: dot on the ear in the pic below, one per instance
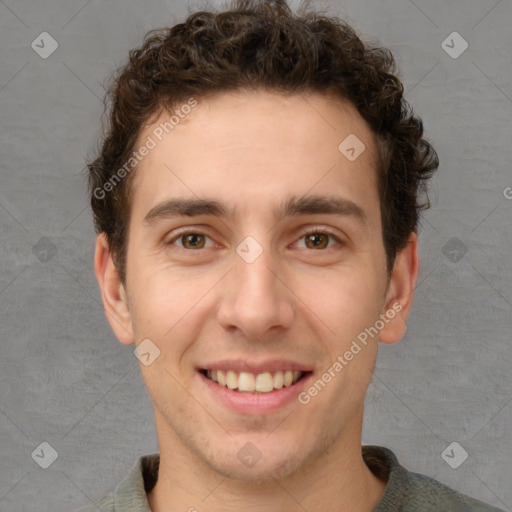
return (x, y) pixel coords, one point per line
(115, 300)
(400, 292)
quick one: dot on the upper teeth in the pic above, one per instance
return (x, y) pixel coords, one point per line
(262, 382)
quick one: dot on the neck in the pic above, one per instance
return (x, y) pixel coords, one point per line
(336, 479)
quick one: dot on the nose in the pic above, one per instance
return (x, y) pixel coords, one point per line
(255, 301)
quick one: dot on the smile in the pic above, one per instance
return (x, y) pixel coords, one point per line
(246, 382)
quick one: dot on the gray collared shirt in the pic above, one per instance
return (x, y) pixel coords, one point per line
(405, 491)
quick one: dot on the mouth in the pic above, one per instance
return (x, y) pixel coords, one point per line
(255, 384)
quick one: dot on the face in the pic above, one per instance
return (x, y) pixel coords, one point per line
(281, 279)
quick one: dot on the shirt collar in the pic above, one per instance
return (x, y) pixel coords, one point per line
(131, 494)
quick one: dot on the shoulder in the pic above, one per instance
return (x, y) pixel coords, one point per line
(412, 492)
(427, 494)
(130, 494)
(105, 504)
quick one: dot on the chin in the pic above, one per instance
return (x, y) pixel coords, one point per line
(262, 469)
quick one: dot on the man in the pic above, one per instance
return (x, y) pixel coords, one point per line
(256, 200)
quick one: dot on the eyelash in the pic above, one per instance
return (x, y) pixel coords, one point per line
(311, 231)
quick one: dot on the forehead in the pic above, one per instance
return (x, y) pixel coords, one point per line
(267, 144)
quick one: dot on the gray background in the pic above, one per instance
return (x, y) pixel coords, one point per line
(67, 381)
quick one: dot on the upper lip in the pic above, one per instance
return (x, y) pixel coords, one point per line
(245, 365)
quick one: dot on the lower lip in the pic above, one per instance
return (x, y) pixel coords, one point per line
(262, 403)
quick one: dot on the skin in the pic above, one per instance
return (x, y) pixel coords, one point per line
(198, 300)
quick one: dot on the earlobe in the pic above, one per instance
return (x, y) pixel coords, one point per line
(400, 292)
(115, 300)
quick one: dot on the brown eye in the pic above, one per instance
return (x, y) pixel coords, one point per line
(192, 239)
(189, 240)
(317, 240)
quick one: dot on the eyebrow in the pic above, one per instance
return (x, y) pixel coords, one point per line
(292, 207)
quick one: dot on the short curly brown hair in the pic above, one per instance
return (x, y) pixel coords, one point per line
(262, 44)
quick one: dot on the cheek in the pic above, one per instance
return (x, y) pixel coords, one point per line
(153, 301)
(165, 306)
(346, 301)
